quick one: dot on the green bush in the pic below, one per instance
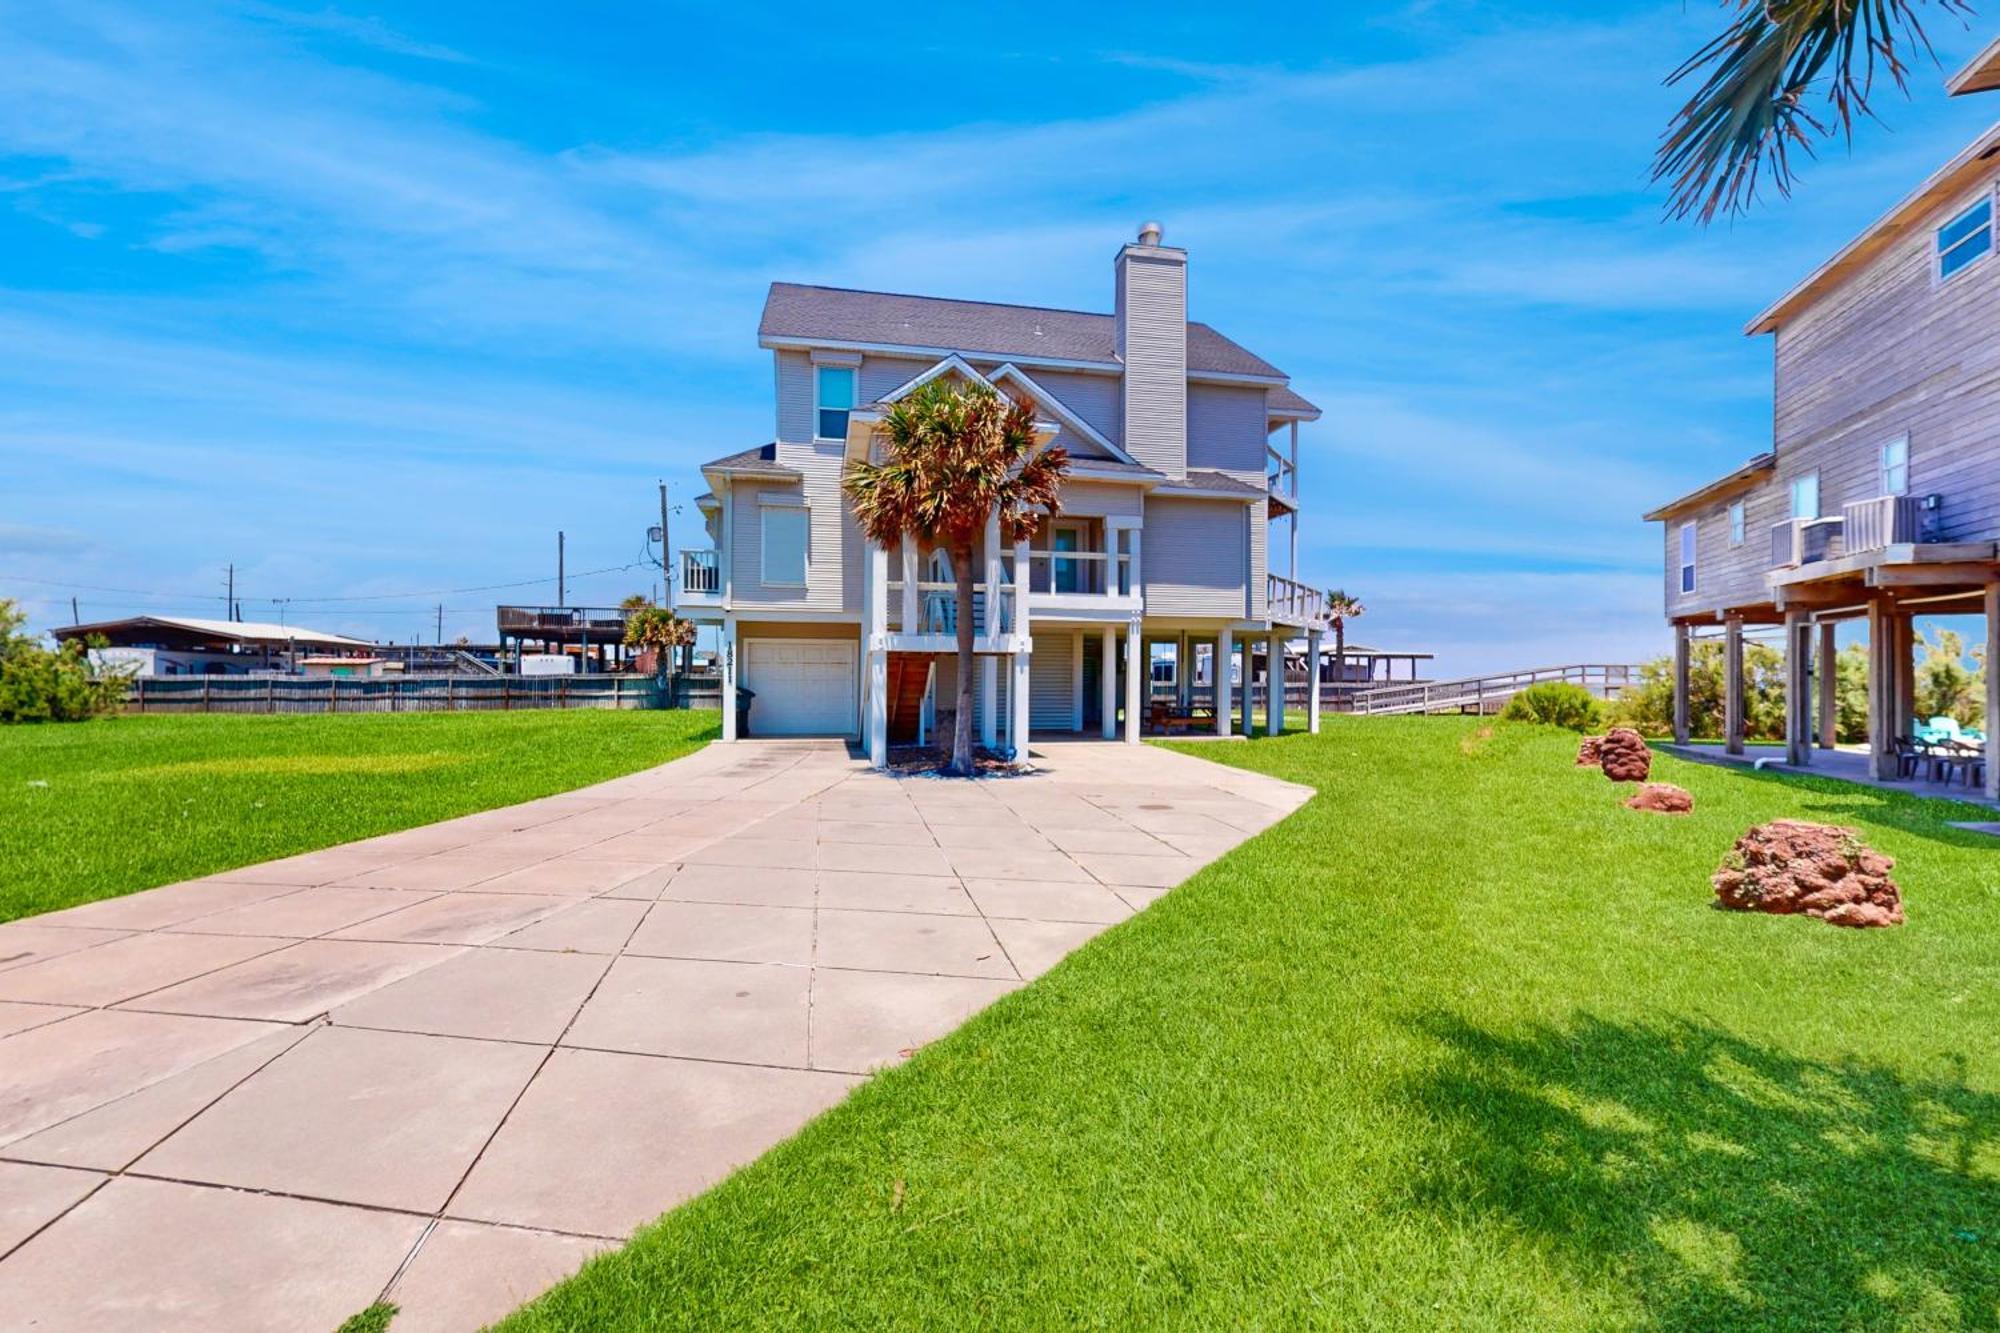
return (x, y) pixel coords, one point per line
(39, 685)
(1556, 703)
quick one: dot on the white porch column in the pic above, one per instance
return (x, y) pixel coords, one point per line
(1021, 581)
(989, 697)
(1313, 643)
(1107, 685)
(1018, 725)
(874, 628)
(1681, 651)
(1798, 688)
(1827, 663)
(1992, 692)
(1249, 688)
(728, 677)
(1225, 698)
(1275, 699)
(994, 611)
(1138, 677)
(1732, 690)
(911, 625)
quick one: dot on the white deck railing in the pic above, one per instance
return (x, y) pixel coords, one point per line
(1481, 694)
(701, 573)
(1292, 601)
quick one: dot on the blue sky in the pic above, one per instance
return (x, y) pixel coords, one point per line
(372, 299)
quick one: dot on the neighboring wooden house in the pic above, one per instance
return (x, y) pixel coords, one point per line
(1164, 534)
(1880, 496)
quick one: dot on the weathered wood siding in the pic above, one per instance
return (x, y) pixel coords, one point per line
(1895, 352)
(1725, 575)
(1197, 556)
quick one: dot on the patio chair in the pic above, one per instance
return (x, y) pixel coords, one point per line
(1909, 757)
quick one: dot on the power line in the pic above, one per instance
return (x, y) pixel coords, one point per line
(355, 597)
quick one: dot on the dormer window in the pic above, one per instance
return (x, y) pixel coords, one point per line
(1965, 239)
(833, 399)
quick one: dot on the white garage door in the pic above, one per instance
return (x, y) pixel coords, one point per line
(805, 687)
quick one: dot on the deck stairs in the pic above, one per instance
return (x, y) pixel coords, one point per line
(909, 679)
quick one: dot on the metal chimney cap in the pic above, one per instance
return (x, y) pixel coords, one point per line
(1150, 233)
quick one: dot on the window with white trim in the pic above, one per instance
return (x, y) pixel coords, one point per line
(833, 399)
(1687, 557)
(1805, 496)
(1896, 466)
(1965, 239)
(786, 539)
(1736, 524)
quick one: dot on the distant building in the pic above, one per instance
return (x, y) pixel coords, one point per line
(149, 646)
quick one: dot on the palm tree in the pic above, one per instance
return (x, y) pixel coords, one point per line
(1340, 608)
(1751, 108)
(655, 627)
(957, 453)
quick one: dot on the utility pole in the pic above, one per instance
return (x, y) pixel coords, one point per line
(230, 602)
(74, 618)
(440, 633)
(666, 547)
(562, 596)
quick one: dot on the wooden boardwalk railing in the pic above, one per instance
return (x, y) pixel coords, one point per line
(408, 694)
(1490, 693)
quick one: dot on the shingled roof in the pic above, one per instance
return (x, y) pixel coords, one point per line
(838, 314)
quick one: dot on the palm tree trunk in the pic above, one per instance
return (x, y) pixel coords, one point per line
(1340, 655)
(961, 724)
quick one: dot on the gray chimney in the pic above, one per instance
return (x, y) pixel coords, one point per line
(1152, 344)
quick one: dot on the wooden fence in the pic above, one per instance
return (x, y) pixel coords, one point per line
(409, 694)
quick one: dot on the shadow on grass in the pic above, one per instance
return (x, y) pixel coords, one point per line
(1728, 1182)
(1856, 803)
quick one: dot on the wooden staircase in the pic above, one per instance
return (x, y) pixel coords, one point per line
(908, 674)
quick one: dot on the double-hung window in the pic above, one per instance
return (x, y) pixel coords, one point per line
(1805, 496)
(1965, 239)
(787, 538)
(1736, 524)
(1687, 557)
(1896, 466)
(833, 399)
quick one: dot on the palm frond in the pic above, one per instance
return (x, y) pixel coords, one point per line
(1757, 102)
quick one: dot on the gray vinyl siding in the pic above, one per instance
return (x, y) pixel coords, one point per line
(1051, 680)
(1152, 322)
(1227, 430)
(830, 584)
(1095, 398)
(795, 397)
(1259, 600)
(1102, 499)
(1196, 558)
(1892, 352)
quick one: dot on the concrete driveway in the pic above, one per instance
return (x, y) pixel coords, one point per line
(449, 1064)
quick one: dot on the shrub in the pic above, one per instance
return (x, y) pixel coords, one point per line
(40, 685)
(1556, 703)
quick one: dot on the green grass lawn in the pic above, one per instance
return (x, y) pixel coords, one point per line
(94, 809)
(1460, 1044)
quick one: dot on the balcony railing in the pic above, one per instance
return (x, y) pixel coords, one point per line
(1080, 573)
(701, 573)
(528, 621)
(1290, 600)
(937, 609)
(1885, 520)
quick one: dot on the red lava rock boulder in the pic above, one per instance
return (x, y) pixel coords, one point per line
(1822, 870)
(1587, 755)
(1623, 755)
(1663, 798)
